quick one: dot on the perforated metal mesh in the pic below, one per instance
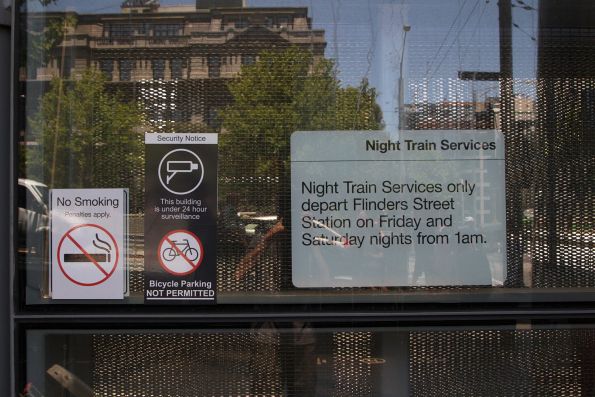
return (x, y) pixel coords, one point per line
(265, 362)
(272, 361)
(549, 238)
(502, 363)
(225, 364)
(352, 372)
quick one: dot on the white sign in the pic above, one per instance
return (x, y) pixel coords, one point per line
(88, 254)
(426, 208)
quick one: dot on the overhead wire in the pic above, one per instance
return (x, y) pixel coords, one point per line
(456, 38)
(475, 29)
(445, 38)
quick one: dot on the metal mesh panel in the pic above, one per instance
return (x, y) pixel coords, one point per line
(185, 365)
(502, 363)
(564, 158)
(266, 362)
(535, 182)
(352, 373)
(271, 361)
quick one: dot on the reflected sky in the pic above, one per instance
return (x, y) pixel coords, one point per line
(366, 40)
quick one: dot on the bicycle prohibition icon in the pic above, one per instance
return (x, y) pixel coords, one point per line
(180, 252)
(184, 248)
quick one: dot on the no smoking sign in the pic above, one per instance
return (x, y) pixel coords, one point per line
(88, 243)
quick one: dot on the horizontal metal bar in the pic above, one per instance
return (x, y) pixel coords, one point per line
(337, 316)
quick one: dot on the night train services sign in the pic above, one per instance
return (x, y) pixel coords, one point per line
(424, 208)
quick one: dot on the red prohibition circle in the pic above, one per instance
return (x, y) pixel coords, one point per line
(195, 265)
(115, 261)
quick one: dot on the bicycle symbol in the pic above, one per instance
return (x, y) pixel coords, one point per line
(184, 248)
(180, 252)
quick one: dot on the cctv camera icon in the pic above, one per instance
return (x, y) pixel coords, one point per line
(179, 167)
(180, 161)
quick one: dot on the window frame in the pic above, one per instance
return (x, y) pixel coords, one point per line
(456, 306)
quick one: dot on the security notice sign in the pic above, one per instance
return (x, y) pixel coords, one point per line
(180, 217)
(88, 247)
(421, 208)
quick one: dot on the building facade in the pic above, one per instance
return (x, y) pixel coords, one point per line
(163, 56)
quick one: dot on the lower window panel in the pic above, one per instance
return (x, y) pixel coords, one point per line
(296, 359)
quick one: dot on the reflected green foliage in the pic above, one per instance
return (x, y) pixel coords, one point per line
(43, 40)
(88, 138)
(283, 92)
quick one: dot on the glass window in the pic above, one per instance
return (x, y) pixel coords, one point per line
(123, 30)
(126, 66)
(241, 23)
(158, 66)
(214, 65)
(107, 68)
(167, 30)
(283, 22)
(142, 29)
(300, 359)
(248, 59)
(360, 159)
(176, 68)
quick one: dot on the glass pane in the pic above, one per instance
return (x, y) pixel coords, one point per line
(298, 360)
(457, 76)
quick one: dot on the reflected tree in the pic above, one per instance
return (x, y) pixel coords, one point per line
(94, 140)
(286, 91)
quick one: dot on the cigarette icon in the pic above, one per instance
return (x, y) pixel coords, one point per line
(176, 167)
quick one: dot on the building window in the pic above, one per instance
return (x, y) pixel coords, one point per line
(214, 64)
(121, 30)
(107, 67)
(283, 22)
(241, 24)
(67, 66)
(248, 59)
(126, 69)
(158, 66)
(167, 30)
(176, 68)
(142, 29)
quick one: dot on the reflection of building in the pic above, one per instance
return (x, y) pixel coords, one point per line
(468, 115)
(175, 59)
(462, 115)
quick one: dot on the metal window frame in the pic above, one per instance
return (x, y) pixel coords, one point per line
(20, 317)
(6, 216)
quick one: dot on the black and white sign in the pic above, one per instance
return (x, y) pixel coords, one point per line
(88, 243)
(180, 217)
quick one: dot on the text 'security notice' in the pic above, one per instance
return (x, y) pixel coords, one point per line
(421, 208)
